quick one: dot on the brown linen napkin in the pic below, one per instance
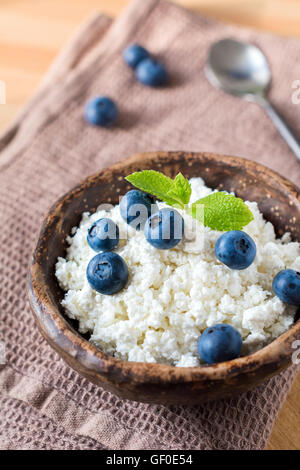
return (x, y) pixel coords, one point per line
(45, 404)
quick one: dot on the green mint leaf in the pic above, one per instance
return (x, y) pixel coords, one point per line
(222, 212)
(181, 190)
(155, 183)
(219, 211)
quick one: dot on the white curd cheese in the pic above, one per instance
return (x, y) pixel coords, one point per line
(173, 295)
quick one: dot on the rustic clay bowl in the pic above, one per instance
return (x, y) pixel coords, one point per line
(278, 199)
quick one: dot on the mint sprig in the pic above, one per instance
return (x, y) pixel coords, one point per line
(219, 210)
(222, 211)
(180, 190)
(161, 186)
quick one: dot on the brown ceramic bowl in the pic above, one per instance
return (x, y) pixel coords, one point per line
(278, 199)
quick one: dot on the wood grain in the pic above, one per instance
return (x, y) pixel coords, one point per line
(33, 31)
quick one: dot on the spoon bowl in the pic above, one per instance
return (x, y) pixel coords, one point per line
(238, 68)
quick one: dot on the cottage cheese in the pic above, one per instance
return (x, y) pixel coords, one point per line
(173, 295)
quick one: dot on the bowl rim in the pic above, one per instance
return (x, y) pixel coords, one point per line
(65, 339)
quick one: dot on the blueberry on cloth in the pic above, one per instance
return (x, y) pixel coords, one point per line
(101, 111)
(134, 54)
(151, 73)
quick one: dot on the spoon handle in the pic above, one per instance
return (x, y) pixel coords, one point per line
(281, 126)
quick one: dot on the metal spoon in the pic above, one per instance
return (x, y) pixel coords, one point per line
(242, 70)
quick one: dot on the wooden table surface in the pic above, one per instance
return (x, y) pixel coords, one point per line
(33, 31)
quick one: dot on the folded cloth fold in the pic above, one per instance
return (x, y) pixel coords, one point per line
(49, 148)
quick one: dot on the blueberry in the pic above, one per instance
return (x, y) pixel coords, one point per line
(235, 249)
(101, 111)
(164, 229)
(134, 53)
(103, 235)
(135, 208)
(107, 273)
(219, 343)
(151, 73)
(286, 285)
